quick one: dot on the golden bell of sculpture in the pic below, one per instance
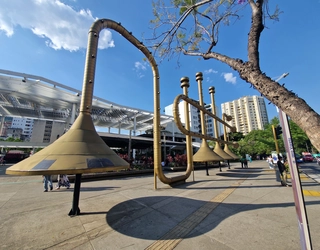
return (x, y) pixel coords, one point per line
(229, 152)
(218, 150)
(205, 154)
(79, 150)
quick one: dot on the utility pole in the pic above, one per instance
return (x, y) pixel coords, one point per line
(305, 238)
(275, 139)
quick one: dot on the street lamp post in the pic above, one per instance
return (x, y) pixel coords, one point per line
(305, 239)
(164, 147)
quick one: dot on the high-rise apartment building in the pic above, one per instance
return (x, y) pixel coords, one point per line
(47, 131)
(25, 124)
(33, 130)
(248, 113)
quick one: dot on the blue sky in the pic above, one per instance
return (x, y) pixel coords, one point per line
(49, 38)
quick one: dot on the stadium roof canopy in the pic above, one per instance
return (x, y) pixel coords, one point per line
(31, 96)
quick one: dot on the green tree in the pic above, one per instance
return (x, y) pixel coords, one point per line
(257, 142)
(192, 27)
(299, 138)
(262, 141)
(236, 136)
(270, 137)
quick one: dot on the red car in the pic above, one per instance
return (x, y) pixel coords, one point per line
(307, 158)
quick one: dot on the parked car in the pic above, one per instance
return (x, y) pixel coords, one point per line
(307, 157)
(14, 156)
(299, 159)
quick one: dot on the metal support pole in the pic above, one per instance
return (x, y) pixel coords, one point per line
(73, 113)
(173, 139)
(129, 149)
(305, 238)
(76, 194)
(134, 134)
(164, 147)
(275, 139)
(207, 170)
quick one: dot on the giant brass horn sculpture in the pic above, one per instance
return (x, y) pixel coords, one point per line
(204, 154)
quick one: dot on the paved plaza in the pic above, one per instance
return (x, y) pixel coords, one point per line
(236, 209)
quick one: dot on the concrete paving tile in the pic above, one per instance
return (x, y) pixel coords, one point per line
(181, 208)
(119, 241)
(4, 197)
(26, 228)
(197, 241)
(246, 232)
(93, 221)
(79, 242)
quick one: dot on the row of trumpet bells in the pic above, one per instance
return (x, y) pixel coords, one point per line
(206, 154)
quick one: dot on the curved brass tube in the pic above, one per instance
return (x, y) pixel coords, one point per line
(217, 148)
(185, 85)
(225, 118)
(236, 145)
(178, 122)
(87, 91)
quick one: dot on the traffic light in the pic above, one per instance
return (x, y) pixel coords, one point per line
(278, 131)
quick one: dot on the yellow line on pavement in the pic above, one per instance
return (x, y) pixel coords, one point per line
(171, 239)
(302, 176)
(310, 193)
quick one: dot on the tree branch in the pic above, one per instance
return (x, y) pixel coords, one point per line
(177, 25)
(255, 32)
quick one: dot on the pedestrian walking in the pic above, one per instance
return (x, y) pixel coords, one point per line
(282, 170)
(270, 162)
(2, 160)
(244, 162)
(63, 181)
(163, 164)
(47, 180)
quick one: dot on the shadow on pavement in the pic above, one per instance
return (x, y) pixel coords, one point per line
(139, 218)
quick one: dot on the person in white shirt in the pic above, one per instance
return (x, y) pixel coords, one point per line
(270, 162)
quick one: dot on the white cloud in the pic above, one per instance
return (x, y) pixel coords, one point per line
(61, 25)
(230, 78)
(207, 72)
(210, 71)
(140, 66)
(140, 75)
